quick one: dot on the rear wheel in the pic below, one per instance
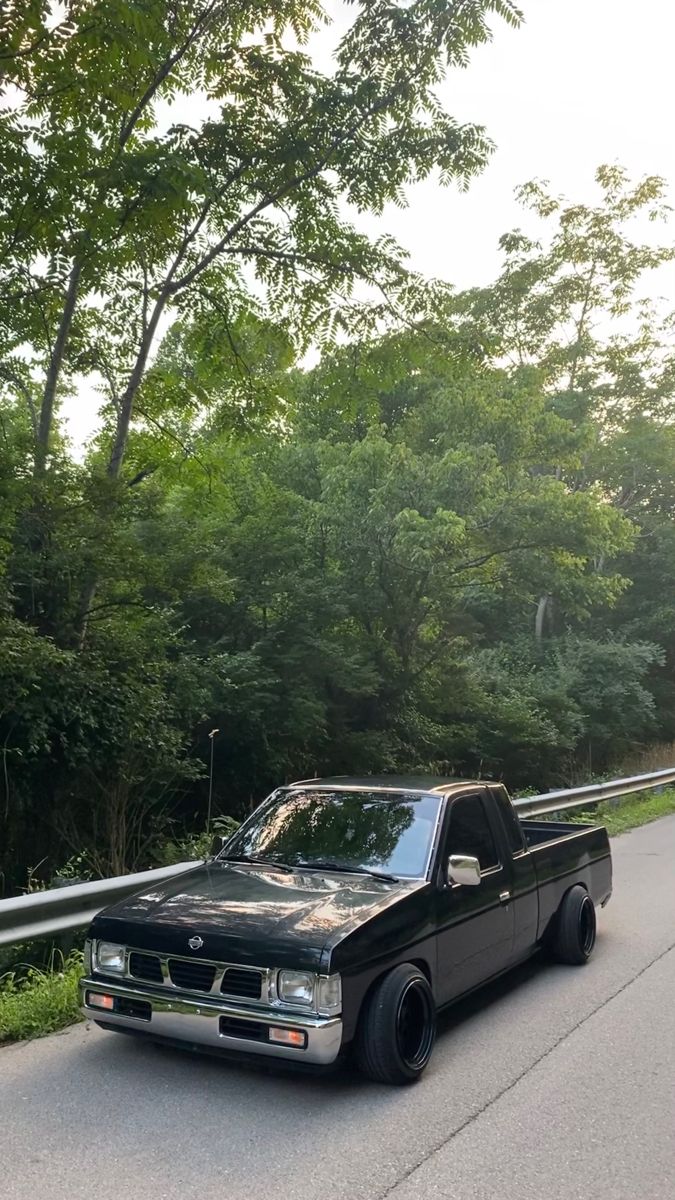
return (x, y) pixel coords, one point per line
(398, 1027)
(575, 934)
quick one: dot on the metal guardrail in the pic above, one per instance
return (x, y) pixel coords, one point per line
(593, 793)
(60, 910)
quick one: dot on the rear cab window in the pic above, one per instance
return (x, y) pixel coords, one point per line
(511, 825)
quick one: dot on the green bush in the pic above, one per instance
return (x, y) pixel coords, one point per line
(34, 1002)
(195, 846)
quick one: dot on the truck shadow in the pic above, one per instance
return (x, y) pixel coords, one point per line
(491, 993)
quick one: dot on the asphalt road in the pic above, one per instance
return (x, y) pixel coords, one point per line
(557, 1083)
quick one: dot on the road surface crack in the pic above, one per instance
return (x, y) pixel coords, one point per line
(523, 1075)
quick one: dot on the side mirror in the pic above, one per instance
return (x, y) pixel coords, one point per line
(463, 869)
(217, 844)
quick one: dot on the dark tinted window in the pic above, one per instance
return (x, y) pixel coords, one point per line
(470, 832)
(514, 834)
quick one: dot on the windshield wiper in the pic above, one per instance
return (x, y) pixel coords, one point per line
(254, 861)
(324, 864)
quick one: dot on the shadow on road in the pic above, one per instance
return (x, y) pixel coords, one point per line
(485, 997)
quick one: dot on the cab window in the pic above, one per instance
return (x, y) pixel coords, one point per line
(470, 833)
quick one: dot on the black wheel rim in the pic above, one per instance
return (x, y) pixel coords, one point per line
(414, 1026)
(587, 926)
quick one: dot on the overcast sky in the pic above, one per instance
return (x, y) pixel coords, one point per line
(582, 82)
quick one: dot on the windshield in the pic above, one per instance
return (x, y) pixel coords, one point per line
(389, 832)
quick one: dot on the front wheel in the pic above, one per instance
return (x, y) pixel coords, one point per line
(575, 933)
(397, 1027)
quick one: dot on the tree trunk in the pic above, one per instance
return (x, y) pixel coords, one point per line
(543, 617)
(135, 379)
(55, 365)
(87, 597)
(117, 453)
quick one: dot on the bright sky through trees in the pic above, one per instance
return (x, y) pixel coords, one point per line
(580, 83)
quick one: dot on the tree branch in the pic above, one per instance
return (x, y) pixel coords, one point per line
(166, 67)
(289, 186)
(187, 450)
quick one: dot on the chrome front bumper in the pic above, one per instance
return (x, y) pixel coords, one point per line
(198, 1022)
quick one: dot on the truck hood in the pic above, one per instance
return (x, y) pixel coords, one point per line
(249, 914)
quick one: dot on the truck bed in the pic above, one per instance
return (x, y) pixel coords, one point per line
(538, 832)
(563, 849)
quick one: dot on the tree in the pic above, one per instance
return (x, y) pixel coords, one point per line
(149, 219)
(340, 568)
(365, 562)
(557, 302)
(570, 307)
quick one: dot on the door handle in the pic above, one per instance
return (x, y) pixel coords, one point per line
(504, 897)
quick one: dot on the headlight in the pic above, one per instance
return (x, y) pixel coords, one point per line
(110, 958)
(296, 987)
(329, 995)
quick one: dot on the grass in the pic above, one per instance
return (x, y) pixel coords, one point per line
(35, 1002)
(636, 810)
(658, 757)
(627, 813)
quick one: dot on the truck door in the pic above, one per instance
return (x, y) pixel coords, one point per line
(523, 878)
(475, 925)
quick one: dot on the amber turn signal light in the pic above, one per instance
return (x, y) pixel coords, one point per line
(288, 1037)
(98, 1000)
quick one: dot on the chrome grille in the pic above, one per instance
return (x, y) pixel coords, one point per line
(251, 985)
(145, 966)
(241, 981)
(192, 975)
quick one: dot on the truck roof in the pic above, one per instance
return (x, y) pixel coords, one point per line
(389, 783)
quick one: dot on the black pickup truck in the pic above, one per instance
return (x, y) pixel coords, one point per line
(341, 916)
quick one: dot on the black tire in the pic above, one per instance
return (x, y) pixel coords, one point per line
(397, 1028)
(575, 932)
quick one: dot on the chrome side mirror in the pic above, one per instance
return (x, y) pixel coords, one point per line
(463, 869)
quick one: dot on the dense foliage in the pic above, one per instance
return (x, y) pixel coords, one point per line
(35, 1001)
(446, 546)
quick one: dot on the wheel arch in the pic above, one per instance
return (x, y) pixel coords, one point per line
(397, 1026)
(566, 945)
(416, 960)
